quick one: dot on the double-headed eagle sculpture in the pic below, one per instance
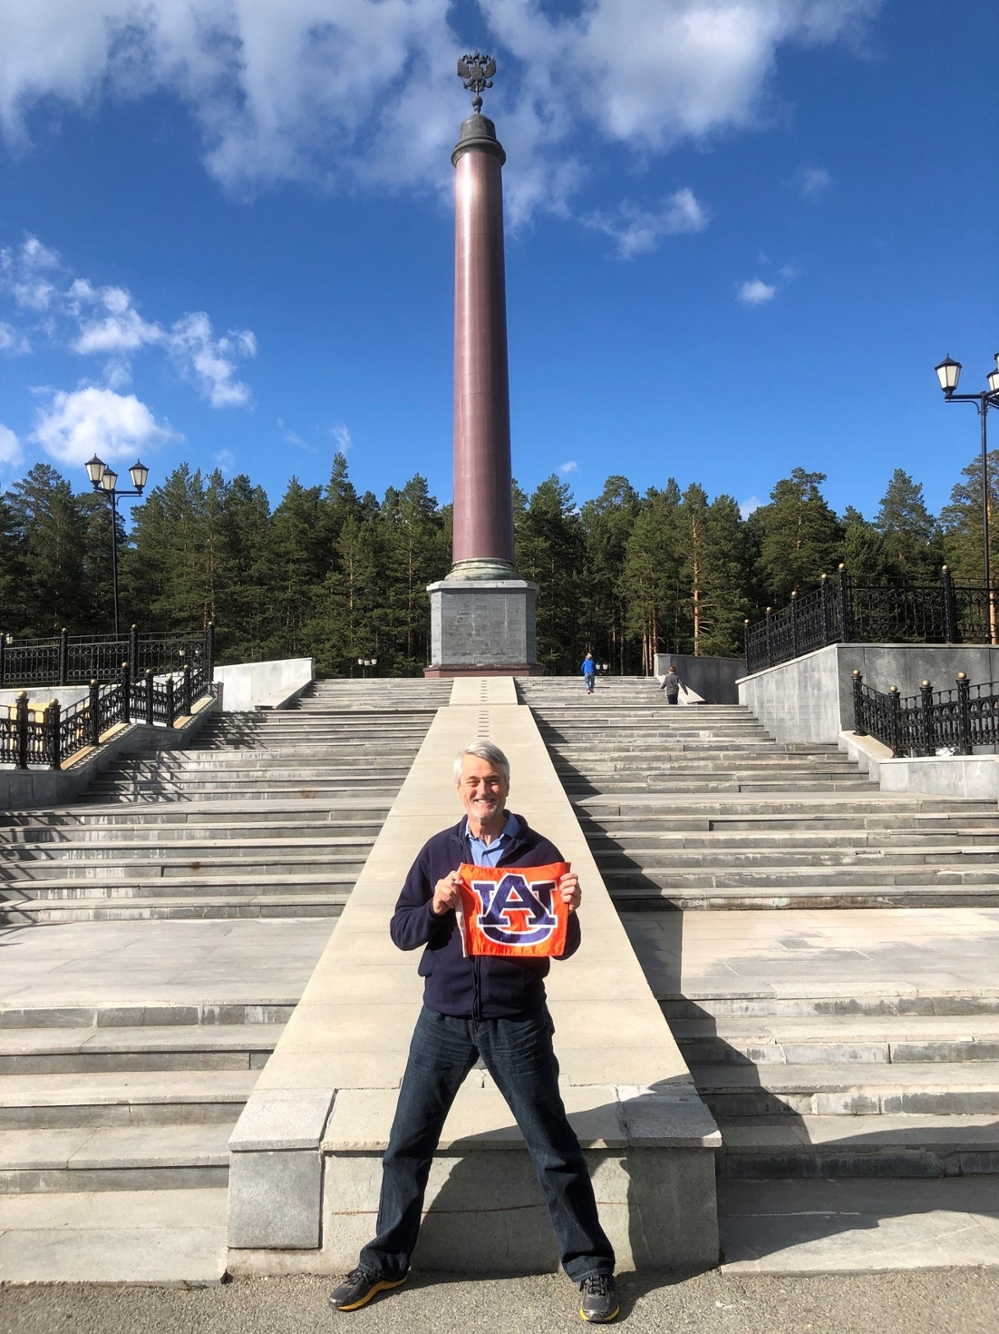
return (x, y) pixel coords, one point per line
(476, 72)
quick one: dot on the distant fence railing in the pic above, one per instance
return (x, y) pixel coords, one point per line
(48, 736)
(952, 722)
(844, 611)
(78, 659)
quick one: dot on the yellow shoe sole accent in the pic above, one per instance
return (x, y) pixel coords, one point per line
(605, 1321)
(383, 1286)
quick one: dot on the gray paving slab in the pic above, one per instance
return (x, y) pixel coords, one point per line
(801, 1227)
(798, 951)
(168, 1237)
(247, 961)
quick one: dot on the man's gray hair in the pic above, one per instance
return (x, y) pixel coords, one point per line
(483, 750)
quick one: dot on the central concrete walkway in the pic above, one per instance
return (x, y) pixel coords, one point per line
(304, 1179)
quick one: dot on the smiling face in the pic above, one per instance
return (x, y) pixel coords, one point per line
(483, 791)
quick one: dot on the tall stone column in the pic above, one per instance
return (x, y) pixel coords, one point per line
(483, 500)
(483, 614)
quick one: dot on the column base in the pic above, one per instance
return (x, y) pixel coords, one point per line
(482, 627)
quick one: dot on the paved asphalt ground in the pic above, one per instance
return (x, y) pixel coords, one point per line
(964, 1301)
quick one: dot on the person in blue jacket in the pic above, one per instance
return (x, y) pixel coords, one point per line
(589, 670)
(488, 1007)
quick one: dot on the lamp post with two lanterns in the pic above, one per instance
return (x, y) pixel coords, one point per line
(949, 373)
(105, 481)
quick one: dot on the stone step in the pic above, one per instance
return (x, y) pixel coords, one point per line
(845, 1003)
(175, 880)
(123, 1098)
(179, 1017)
(780, 875)
(141, 908)
(785, 1147)
(850, 1089)
(138, 836)
(116, 1158)
(639, 844)
(730, 898)
(661, 863)
(346, 810)
(95, 865)
(175, 1238)
(26, 1051)
(824, 1039)
(154, 793)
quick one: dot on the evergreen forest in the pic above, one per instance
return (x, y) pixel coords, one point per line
(335, 575)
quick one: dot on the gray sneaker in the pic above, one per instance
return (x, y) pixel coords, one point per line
(598, 1299)
(359, 1287)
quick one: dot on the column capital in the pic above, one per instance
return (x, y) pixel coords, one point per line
(478, 134)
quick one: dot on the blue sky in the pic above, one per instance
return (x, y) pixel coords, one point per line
(740, 236)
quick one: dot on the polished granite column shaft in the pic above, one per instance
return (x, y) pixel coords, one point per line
(483, 505)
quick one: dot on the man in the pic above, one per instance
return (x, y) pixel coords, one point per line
(492, 1007)
(589, 670)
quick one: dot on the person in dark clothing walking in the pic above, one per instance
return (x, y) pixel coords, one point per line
(672, 685)
(488, 1007)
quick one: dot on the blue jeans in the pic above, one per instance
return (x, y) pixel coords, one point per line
(518, 1054)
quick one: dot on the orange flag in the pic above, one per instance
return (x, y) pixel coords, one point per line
(513, 911)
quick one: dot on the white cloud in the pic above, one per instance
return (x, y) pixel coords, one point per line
(348, 92)
(814, 181)
(746, 507)
(11, 453)
(92, 420)
(224, 460)
(571, 466)
(96, 321)
(756, 292)
(637, 230)
(12, 341)
(341, 437)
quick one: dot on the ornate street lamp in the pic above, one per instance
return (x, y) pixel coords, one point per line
(105, 482)
(949, 373)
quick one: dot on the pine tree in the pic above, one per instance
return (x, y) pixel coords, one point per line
(912, 541)
(800, 536)
(301, 563)
(865, 550)
(550, 552)
(715, 566)
(961, 520)
(50, 532)
(607, 524)
(652, 578)
(413, 557)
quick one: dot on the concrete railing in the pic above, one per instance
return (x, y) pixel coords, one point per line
(265, 685)
(305, 1160)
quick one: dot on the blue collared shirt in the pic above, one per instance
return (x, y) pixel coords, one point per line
(488, 854)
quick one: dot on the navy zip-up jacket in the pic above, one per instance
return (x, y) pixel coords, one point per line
(482, 987)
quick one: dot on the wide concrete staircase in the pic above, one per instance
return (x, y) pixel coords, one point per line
(857, 1066)
(697, 807)
(266, 815)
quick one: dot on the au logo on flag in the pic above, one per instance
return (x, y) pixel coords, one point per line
(513, 911)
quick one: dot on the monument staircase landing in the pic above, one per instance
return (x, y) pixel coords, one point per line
(830, 973)
(132, 1083)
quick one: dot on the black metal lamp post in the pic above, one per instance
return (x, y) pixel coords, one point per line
(949, 373)
(104, 480)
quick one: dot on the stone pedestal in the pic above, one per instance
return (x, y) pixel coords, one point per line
(482, 627)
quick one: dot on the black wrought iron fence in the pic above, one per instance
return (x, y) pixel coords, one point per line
(949, 722)
(844, 611)
(77, 659)
(33, 734)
